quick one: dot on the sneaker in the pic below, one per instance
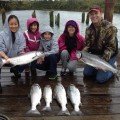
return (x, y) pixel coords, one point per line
(53, 77)
(15, 72)
(0, 88)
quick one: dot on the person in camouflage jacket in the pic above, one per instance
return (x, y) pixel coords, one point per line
(100, 39)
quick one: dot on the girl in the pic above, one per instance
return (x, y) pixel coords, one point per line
(69, 42)
(32, 36)
(12, 42)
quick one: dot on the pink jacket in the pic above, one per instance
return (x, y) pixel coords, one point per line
(80, 43)
(32, 39)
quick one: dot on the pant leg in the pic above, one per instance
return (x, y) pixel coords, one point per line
(53, 60)
(33, 65)
(102, 76)
(89, 71)
(72, 65)
(64, 58)
(44, 66)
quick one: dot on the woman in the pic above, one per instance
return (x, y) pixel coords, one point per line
(12, 42)
(69, 42)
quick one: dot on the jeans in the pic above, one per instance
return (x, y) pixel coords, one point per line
(101, 76)
(49, 64)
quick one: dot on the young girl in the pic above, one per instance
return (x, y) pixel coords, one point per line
(69, 42)
(50, 47)
(32, 36)
(12, 42)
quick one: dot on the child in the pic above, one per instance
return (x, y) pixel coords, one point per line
(50, 47)
(32, 36)
(12, 42)
(69, 42)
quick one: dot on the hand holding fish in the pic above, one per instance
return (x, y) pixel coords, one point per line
(21, 53)
(98, 68)
(40, 60)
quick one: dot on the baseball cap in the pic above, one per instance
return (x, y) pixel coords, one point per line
(95, 8)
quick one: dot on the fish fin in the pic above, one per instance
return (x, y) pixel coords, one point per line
(33, 112)
(62, 113)
(48, 109)
(76, 113)
(2, 62)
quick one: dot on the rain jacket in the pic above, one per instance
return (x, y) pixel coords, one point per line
(103, 42)
(32, 39)
(48, 46)
(80, 42)
(6, 44)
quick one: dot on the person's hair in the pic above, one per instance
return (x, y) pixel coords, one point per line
(12, 33)
(32, 24)
(13, 16)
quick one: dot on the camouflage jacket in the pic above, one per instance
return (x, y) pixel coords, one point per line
(103, 41)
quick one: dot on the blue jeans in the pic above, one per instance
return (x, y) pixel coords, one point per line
(49, 64)
(101, 76)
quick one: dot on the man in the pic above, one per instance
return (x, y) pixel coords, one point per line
(100, 39)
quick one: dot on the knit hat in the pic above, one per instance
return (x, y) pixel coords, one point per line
(95, 8)
(72, 23)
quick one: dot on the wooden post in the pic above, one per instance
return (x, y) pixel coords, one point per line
(83, 17)
(109, 10)
(3, 15)
(51, 18)
(34, 14)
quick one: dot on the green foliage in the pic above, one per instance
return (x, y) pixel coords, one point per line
(74, 5)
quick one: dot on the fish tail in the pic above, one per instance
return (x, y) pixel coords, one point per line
(76, 112)
(48, 109)
(33, 112)
(2, 62)
(62, 113)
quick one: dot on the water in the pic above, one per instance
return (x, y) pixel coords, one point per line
(43, 17)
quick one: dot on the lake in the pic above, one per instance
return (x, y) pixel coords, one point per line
(43, 17)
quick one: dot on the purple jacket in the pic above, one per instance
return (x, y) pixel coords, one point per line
(80, 43)
(32, 39)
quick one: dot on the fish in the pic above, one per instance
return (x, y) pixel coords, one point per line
(22, 59)
(96, 61)
(75, 98)
(60, 96)
(47, 95)
(35, 96)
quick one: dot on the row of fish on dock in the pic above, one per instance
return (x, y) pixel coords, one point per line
(60, 95)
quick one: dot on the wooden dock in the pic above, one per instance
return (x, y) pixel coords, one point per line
(99, 101)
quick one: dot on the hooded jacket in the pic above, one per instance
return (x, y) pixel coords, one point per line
(32, 39)
(48, 46)
(80, 42)
(6, 45)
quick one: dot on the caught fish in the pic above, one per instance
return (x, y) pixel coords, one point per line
(75, 98)
(35, 96)
(60, 95)
(22, 59)
(95, 61)
(47, 95)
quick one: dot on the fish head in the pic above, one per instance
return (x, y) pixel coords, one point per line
(40, 54)
(78, 54)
